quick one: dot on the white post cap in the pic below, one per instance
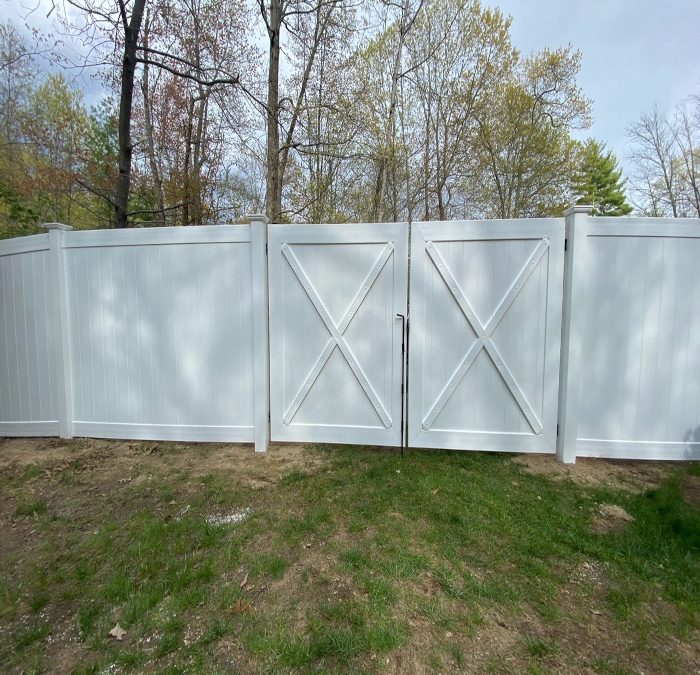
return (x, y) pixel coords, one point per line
(579, 208)
(57, 226)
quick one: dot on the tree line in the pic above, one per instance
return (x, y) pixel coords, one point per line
(313, 111)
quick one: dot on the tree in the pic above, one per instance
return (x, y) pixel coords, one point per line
(55, 140)
(665, 155)
(405, 21)
(460, 52)
(312, 18)
(652, 155)
(687, 137)
(17, 68)
(185, 129)
(598, 181)
(115, 27)
(524, 142)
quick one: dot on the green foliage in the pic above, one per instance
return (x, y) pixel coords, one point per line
(524, 145)
(17, 215)
(598, 181)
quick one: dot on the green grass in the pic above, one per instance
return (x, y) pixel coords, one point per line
(32, 507)
(342, 562)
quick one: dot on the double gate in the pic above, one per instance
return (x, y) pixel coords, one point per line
(482, 367)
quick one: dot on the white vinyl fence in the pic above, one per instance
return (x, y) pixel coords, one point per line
(485, 328)
(516, 342)
(144, 334)
(630, 382)
(29, 339)
(336, 294)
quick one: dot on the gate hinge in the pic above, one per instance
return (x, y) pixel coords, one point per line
(557, 431)
(565, 243)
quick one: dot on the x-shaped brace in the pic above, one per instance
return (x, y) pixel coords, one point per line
(484, 333)
(336, 332)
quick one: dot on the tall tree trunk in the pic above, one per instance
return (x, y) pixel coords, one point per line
(188, 160)
(198, 153)
(131, 36)
(439, 162)
(199, 157)
(387, 144)
(148, 118)
(273, 189)
(319, 30)
(404, 26)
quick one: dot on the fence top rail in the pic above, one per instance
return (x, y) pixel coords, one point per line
(145, 236)
(489, 221)
(34, 242)
(476, 230)
(644, 227)
(351, 233)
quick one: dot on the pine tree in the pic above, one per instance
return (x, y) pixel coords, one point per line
(598, 181)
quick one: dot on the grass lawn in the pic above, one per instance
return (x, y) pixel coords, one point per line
(326, 559)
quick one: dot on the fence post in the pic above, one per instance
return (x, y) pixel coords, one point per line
(60, 317)
(261, 351)
(573, 315)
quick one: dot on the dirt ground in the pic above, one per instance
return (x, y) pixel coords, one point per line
(55, 455)
(99, 469)
(635, 476)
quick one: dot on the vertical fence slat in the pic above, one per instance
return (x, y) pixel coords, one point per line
(60, 312)
(573, 317)
(261, 352)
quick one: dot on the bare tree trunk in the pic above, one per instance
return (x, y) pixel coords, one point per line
(439, 177)
(320, 28)
(405, 24)
(426, 171)
(198, 158)
(198, 163)
(131, 36)
(688, 151)
(273, 190)
(387, 144)
(148, 115)
(186, 170)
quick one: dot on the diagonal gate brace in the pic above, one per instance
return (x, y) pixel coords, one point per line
(336, 333)
(484, 333)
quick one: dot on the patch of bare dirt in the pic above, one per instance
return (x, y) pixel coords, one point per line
(22, 453)
(498, 641)
(496, 645)
(630, 475)
(610, 518)
(127, 461)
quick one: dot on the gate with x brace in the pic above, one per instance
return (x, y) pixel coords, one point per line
(483, 358)
(486, 302)
(335, 338)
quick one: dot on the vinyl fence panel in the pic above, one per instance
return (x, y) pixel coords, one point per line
(638, 363)
(516, 343)
(335, 361)
(28, 394)
(485, 329)
(161, 333)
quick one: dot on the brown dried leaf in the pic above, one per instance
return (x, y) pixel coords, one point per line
(117, 632)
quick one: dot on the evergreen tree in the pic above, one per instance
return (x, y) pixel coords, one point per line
(598, 181)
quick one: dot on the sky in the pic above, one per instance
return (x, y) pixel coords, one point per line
(635, 53)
